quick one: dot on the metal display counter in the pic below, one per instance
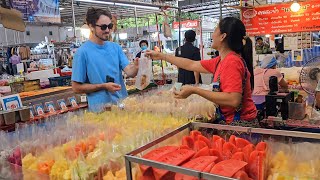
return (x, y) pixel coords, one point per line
(264, 133)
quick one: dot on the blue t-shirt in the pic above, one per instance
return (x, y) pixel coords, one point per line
(92, 63)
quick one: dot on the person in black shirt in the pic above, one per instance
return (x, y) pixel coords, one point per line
(144, 46)
(190, 52)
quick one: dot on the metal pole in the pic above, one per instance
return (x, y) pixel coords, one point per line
(73, 19)
(179, 14)
(136, 20)
(220, 8)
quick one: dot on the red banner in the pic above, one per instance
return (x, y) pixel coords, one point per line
(186, 24)
(277, 19)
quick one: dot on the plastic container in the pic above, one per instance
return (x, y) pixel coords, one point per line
(9, 117)
(24, 114)
(297, 110)
(60, 81)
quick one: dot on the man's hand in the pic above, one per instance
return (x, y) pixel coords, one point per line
(112, 87)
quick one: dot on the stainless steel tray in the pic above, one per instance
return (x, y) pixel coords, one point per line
(132, 158)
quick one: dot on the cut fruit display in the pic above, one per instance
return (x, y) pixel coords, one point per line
(236, 158)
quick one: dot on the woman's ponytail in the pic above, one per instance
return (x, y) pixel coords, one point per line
(247, 55)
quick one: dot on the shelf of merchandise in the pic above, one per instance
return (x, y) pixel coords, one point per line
(133, 158)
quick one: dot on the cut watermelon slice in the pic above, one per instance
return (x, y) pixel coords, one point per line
(194, 134)
(217, 143)
(204, 139)
(256, 165)
(148, 175)
(247, 151)
(228, 168)
(198, 145)
(228, 150)
(198, 164)
(238, 156)
(261, 146)
(176, 158)
(188, 141)
(209, 167)
(156, 154)
(241, 143)
(214, 152)
(202, 152)
(241, 175)
(232, 139)
(184, 147)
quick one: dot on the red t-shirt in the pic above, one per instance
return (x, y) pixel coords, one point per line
(232, 73)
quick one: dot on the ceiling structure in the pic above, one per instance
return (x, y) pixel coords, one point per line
(121, 10)
(211, 8)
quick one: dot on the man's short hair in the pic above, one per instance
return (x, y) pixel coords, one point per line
(93, 14)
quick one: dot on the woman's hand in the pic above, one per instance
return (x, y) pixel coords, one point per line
(154, 55)
(185, 92)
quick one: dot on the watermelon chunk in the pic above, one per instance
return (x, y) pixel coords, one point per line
(202, 152)
(241, 143)
(204, 139)
(214, 152)
(228, 168)
(247, 151)
(256, 165)
(241, 175)
(209, 167)
(198, 145)
(228, 150)
(184, 147)
(198, 164)
(217, 143)
(188, 141)
(176, 158)
(156, 154)
(194, 134)
(261, 146)
(238, 156)
(232, 139)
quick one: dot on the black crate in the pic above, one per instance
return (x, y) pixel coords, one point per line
(60, 81)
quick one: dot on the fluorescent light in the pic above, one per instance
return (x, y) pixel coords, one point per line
(61, 9)
(119, 4)
(123, 36)
(268, 35)
(295, 7)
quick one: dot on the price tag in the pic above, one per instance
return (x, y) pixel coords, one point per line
(83, 98)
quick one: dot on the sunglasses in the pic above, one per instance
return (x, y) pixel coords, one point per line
(104, 26)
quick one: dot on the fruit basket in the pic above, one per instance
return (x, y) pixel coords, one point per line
(272, 165)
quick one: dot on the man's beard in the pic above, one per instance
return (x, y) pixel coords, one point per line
(101, 38)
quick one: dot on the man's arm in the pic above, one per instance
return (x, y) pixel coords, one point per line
(84, 88)
(132, 69)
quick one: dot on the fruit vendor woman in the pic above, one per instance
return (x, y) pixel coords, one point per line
(98, 64)
(232, 71)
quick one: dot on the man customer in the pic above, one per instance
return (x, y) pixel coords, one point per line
(188, 50)
(98, 64)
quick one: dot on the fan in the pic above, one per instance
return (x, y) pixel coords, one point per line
(310, 75)
(310, 81)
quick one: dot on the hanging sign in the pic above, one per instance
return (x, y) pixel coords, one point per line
(277, 19)
(38, 10)
(186, 24)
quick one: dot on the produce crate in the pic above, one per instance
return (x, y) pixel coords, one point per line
(223, 130)
(60, 81)
(25, 86)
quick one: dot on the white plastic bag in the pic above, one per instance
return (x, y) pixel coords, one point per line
(145, 72)
(166, 28)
